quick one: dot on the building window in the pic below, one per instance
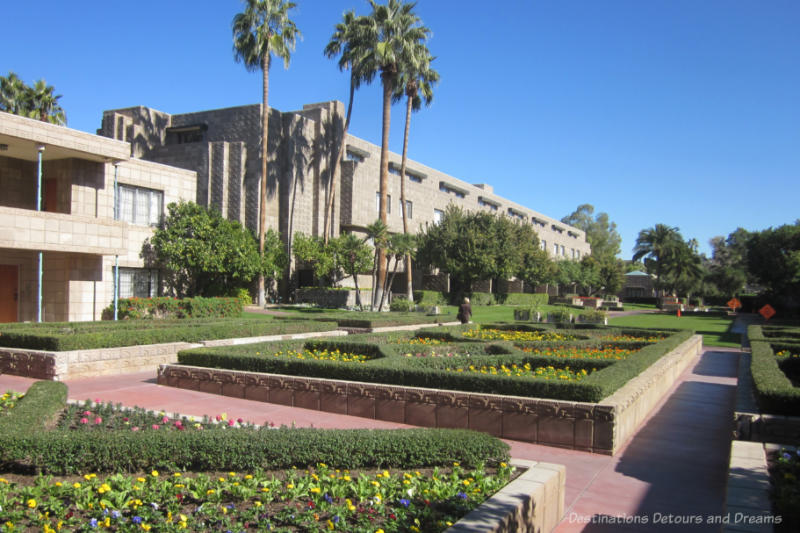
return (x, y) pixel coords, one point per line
(388, 203)
(138, 283)
(414, 178)
(544, 245)
(139, 206)
(450, 190)
(409, 208)
(352, 156)
(555, 250)
(485, 203)
(563, 251)
(438, 215)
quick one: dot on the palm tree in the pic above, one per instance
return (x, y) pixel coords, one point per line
(378, 232)
(400, 245)
(416, 83)
(263, 29)
(12, 94)
(392, 34)
(347, 42)
(659, 244)
(43, 104)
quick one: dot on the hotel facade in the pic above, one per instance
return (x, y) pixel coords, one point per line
(75, 206)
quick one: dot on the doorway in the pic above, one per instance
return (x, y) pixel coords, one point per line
(9, 293)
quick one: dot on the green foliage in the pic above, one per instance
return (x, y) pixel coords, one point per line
(55, 336)
(675, 262)
(601, 233)
(319, 255)
(26, 444)
(428, 298)
(728, 266)
(38, 102)
(204, 254)
(388, 364)
(775, 392)
(773, 259)
(401, 304)
(243, 295)
(167, 307)
(475, 246)
(37, 410)
(480, 298)
(520, 298)
(560, 315)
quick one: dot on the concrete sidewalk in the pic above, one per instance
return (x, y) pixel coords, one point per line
(674, 468)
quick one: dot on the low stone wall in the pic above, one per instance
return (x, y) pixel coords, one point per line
(747, 501)
(60, 366)
(599, 428)
(534, 502)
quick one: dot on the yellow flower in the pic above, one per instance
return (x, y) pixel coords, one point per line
(154, 473)
(210, 491)
(257, 503)
(146, 527)
(58, 483)
(290, 485)
(264, 489)
(177, 474)
(248, 476)
(141, 479)
(31, 503)
(76, 485)
(315, 490)
(232, 474)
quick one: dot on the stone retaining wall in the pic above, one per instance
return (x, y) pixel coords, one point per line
(60, 366)
(599, 428)
(534, 502)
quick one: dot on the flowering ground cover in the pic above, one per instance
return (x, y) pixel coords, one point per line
(489, 334)
(787, 354)
(9, 400)
(316, 499)
(526, 371)
(633, 338)
(785, 475)
(321, 355)
(607, 351)
(424, 341)
(99, 416)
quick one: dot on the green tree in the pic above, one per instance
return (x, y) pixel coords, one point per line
(348, 43)
(261, 30)
(657, 246)
(319, 255)
(203, 254)
(601, 233)
(728, 265)
(392, 34)
(38, 102)
(773, 259)
(416, 83)
(400, 246)
(355, 257)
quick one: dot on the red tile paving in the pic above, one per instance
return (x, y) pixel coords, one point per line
(673, 468)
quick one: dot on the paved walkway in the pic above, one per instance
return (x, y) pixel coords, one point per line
(673, 469)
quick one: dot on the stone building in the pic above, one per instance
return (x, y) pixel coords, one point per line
(223, 147)
(64, 236)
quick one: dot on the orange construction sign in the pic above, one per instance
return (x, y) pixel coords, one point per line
(767, 312)
(734, 303)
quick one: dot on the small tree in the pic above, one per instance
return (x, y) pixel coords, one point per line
(353, 256)
(203, 254)
(320, 256)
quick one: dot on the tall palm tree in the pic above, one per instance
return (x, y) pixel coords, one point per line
(43, 104)
(416, 84)
(347, 41)
(392, 34)
(261, 30)
(659, 244)
(12, 94)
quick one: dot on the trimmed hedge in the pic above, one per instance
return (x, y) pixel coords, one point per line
(63, 336)
(25, 447)
(388, 366)
(166, 307)
(774, 391)
(521, 298)
(428, 298)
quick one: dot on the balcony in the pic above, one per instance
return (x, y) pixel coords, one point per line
(23, 229)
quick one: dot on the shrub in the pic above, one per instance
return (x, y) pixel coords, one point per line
(54, 336)
(562, 314)
(167, 307)
(481, 298)
(24, 446)
(525, 299)
(775, 392)
(429, 298)
(401, 303)
(243, 294)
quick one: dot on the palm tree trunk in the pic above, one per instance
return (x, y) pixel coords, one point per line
(409, 283)
(262, 223)
(387, 79)
(337, 165)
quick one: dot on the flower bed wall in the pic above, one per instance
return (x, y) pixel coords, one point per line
(72, 364)
(596, 427)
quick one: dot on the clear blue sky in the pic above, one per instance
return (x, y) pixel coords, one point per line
(680, 112)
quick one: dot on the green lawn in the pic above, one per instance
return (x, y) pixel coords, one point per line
(714, 328)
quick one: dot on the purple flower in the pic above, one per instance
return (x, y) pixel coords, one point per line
(462, 495)
(336, 519)
(786, 456)
(137, 519)
(404, 502)
(93, 522)
(328, 498)
(115, 514)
